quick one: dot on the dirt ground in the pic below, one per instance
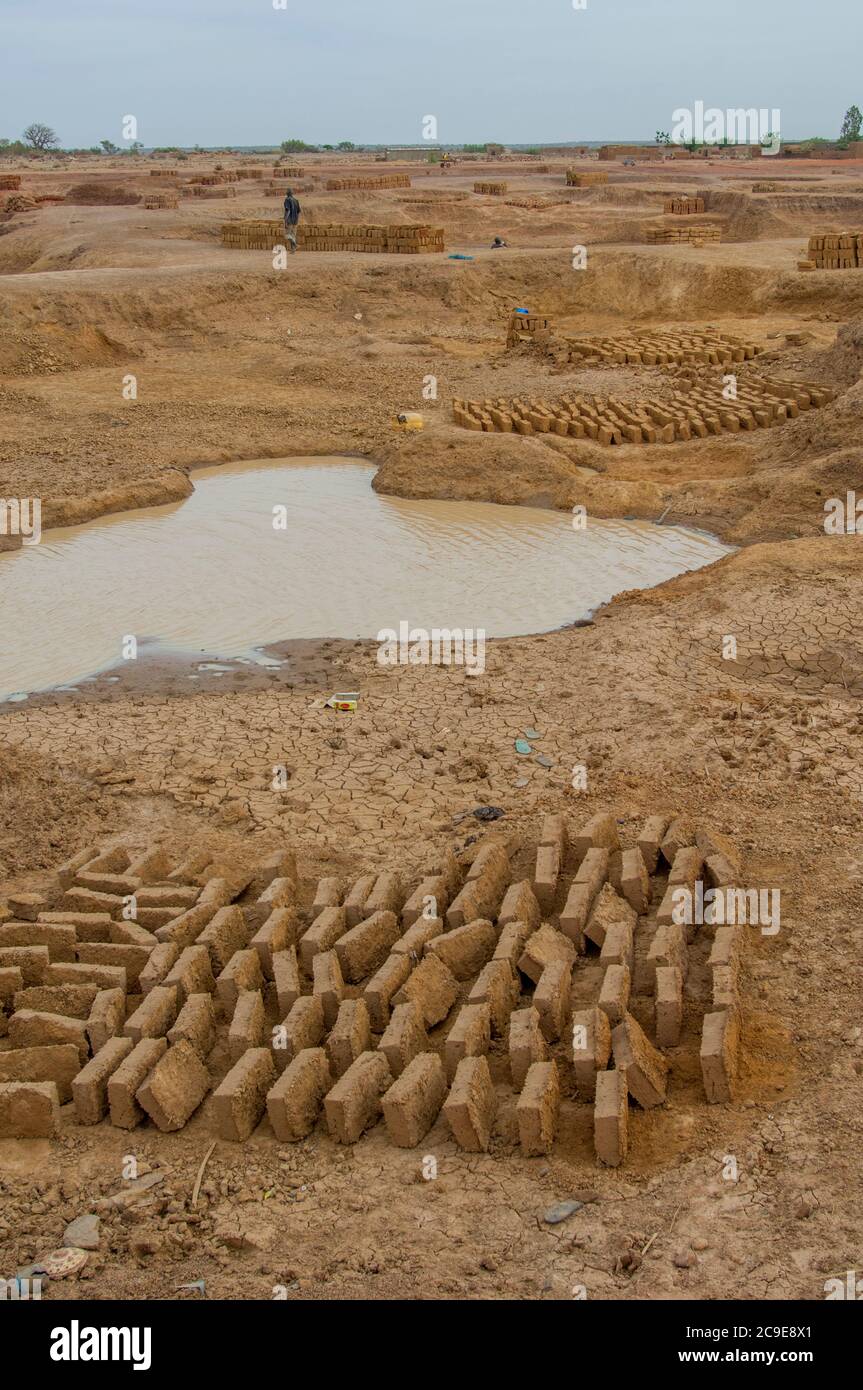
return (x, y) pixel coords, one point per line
(236, 360)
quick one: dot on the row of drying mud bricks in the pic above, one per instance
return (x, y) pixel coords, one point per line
(68, 967)
(837, 251)
(669, 236)
(683, 206)
(494, 190)
(585, 180)
(157, 1063)
(10, 181)
(381, 181)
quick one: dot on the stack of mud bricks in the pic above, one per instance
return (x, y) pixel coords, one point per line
(494, 190)
(672, 236)
(11, 181)
(682, 206)
(379, 181)
(693, 413)
(661, 347)
(839, 251)
(575, 179)
(153, 201)
(250, 173)
(163, 173)
(200, 190)
(765, 188)
(534, 328)
(288, 171)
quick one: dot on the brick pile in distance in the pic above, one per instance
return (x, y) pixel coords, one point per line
(401, 239)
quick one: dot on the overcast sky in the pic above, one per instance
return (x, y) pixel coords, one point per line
(215, 72)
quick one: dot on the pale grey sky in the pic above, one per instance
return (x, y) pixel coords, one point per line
(243, 72)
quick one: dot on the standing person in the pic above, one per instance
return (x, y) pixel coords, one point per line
(292, 217)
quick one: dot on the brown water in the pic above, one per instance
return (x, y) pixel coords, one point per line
(213, 574)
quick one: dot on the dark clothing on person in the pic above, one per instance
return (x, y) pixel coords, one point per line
(292, 211)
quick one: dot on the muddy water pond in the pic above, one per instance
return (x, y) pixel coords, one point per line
(275, 549)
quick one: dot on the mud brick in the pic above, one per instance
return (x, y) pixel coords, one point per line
(125, 933)
(327, 894)
(417, 937)
(248, 1025)
(241, 1099)
(496, 985)
(32, 961)
(286, 974)
(59, 1063)
(646, 1070)
(131, 959)
(679, 835)
(554, 832)
(576, 910)
(177, 895)
(551, 998)
(546, 875)
(724, 987)
(668, 947)
(446, 867)
(635, 880)
(227, 933)
(387, 895)
(83, 900)
(720, 1040)
(725, 951)
(279, 931)
(618, 947)
(354, 1103)
(328, 984)
(526, 1044)
(89, 926)
(383, 985)
(519, 905)
(351, 1035)
(673, 907)
(163, 957)
(470, 1106)
(355, 901)
(480, 898)
(90, 1087)
(29, 1110)
(650, 839)
(404, 1037)
(26, 906)
(491, 861)
(599, 833)
(111, 861)
(185, 929)
(282, 892)
(511, 943)
(174, 1088)
(543, 947)
(611, 1118)
(81, 973)
(117, 885)
(322, 935)
(218, 892)
(12, 983)
(363, 949)
(282, 863)
(191, 867)
(412, 1103)
(74, 1001)
(294, 1102)
(124, 1110)
(609, 907)
(465, 950)
(669, 1005)
(302, 1027)
(591, 1047)
(106, 1017)
(434, 887)
(614, 995)
(688, 863)
(196, 1024)
(720, 872)
(30, 1028)
(154, 1016)
(594, 868)
(470, 1036)
(434, 988)
(243, 971)
(150, 866)
(66, 872)
(538, 1108)
(713, 845)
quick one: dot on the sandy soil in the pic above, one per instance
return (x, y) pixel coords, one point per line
(235, 360)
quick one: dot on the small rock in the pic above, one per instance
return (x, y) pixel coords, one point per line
(560, 1212)
(684, 1259)
(699, 1243)
(83, 1232)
